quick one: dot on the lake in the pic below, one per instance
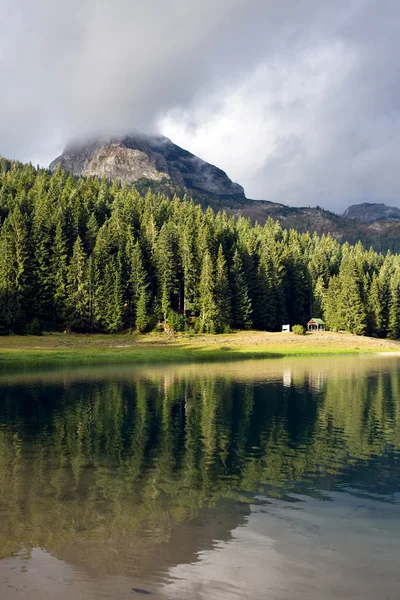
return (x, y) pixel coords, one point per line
(270, 479)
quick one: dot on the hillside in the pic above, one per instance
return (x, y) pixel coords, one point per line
(383, 235)
(156, 163)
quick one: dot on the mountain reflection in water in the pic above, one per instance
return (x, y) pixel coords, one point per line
(140, 478)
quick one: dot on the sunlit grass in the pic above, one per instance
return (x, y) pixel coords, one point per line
(56, 348)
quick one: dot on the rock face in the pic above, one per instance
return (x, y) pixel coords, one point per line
(368, 213)
(137, 157)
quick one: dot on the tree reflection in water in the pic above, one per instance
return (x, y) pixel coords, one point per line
(120, 468)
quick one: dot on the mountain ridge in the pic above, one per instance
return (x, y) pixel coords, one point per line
(156, 163)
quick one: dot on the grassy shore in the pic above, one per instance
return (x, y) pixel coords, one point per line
(57, 348)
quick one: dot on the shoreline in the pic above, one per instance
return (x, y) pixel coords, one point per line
(71, 349)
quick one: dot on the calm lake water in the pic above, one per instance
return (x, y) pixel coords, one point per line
(273, 479)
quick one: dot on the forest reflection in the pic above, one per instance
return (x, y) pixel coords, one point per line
(99, 460)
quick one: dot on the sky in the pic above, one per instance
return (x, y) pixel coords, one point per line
(297, 100)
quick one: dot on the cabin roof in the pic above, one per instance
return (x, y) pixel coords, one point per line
(316, 321)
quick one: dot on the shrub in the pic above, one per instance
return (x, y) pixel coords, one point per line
(34, 327)
(176, 321)
(199, 325)
(202, 326)
(299, 330)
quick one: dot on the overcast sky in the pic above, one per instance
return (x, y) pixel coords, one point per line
(298, 100)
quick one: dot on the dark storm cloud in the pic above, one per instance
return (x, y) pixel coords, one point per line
(299, 101)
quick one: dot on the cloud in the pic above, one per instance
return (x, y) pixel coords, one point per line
(88, 66)
(297, 101)
(275, 128)
(318, 125)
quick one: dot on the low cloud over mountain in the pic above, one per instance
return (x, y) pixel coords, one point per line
(299, 101)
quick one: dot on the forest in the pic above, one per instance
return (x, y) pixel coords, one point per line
(89, 255)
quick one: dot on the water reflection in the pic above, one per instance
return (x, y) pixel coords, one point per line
(131, 472)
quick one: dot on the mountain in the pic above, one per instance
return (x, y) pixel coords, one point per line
(383, 235)
(157, 163)
(155, 159)
(368, 213)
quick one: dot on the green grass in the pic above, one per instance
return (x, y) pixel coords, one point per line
(137, 356)
(59, 349)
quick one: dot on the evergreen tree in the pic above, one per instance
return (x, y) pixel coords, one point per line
(351, 307)
(223, 313)
(114, 304)
(241, 303)
(139, 289)
(43, 230)
(59, 269)
(142, 316)
(190, 268)
(394, 310)
(92, 229)
(7, 279)
(166, 269)
(265, 303)
(333, 317)
(78, 298)
(317, 309)
(208, 305)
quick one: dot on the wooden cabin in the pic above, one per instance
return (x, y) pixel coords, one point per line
(315, 325)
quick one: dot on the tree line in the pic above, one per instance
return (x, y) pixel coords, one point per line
(92, 255)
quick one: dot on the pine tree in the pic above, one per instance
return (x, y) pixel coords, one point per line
(332, 307)
(351, 306)
(241, 303)
(394, 310)
(101, 256)
(208, 306)
(7, 279)
(59, 268)
(114, 303)
(296, 282)
(78, 298)
(223, 313)
(266, 308)
(92, 229)
(190, 268)
(139, 293)
(23, 283)
(43, 229)
(318, 299)
(166, 269)
(142, 315)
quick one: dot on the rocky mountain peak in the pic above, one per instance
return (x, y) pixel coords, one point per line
(138, 157)
(367, 212)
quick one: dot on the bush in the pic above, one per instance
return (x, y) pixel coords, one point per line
(199, 325)
(34, 327)
(176, 321)
(299, 330)
(202, 326)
